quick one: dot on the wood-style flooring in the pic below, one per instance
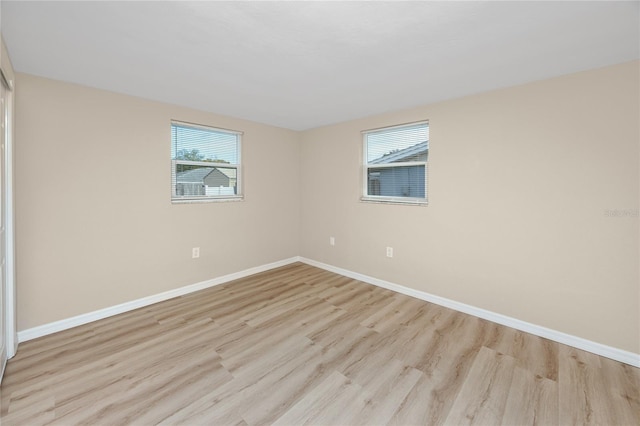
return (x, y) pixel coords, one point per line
(300, 345)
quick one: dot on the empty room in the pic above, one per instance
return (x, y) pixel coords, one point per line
(324, 213)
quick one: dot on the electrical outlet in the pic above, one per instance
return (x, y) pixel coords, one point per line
(332, 241)
(195, 252)
(389, 251)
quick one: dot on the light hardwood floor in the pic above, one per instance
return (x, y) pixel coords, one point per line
(299, 345)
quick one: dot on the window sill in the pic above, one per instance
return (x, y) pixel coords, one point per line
(206, 200)
(385, 200)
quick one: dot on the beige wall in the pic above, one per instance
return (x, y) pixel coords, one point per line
(521, 180)
(95, 225)
(520, 183)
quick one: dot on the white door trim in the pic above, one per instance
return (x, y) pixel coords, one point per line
(11, 338)
(10, 282)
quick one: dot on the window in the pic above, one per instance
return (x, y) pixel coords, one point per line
(395, 163)
(205, 163)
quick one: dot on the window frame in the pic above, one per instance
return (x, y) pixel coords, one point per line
(180, 199)
(365, 196)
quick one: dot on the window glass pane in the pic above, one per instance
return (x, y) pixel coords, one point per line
(206, 162)
(195, 144)
(395, 163)
(403, 181)
(193, 180)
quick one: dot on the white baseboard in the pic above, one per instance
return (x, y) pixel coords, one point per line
(557, 336)
(54, 327)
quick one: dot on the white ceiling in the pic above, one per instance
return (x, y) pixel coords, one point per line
(301, 65)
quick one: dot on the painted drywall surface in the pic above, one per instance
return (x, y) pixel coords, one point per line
(533, 195)
(95, 225)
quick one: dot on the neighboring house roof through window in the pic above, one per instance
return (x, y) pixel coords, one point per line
(195, 175)
(411, 153)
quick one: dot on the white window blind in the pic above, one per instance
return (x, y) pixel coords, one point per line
(395, 163)
(205, 163)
